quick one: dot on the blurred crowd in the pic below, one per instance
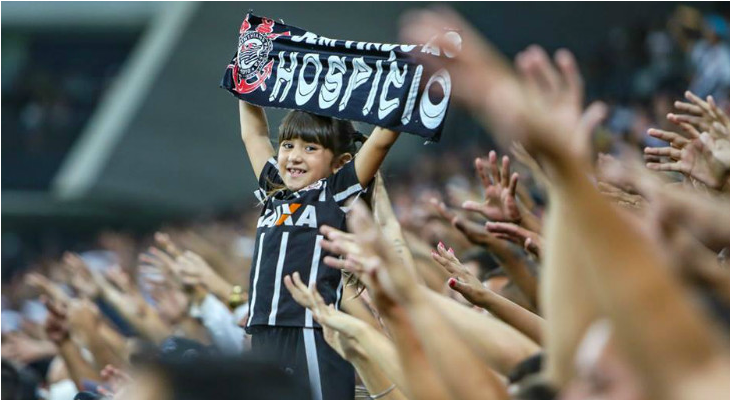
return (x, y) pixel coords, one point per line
(47, 104)
(560, 264)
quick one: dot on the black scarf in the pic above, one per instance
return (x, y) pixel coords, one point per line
(283, 66)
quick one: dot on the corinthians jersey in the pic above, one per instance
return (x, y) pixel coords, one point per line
(288, 240)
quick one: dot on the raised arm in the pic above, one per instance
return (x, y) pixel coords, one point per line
(674, 349)
(255, 135)
(372, 153)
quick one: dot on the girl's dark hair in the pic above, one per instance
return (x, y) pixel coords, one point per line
(337, 135)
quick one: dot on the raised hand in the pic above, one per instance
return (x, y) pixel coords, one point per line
(171, 303)
(499, 190)
(340, 330)
(473, 231)
(83, 317)
(706, 116)
(704, 158)
(621, 196)
(194, 271)
(48, 288)
(81, 279)
(542, 108)
(163, 240)
(56, 321)
(352, 253)
(343, 244)
(379, 259)
(461, 278)
(530, 241)
(160, 259)
(21, 348)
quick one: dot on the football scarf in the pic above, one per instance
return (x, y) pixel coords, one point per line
(278, 65)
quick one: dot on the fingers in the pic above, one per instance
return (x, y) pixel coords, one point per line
(441, 208)
(675, 139)
(590, 119)
(163, 239)
(319, 301)
(289, 285)
(703, 106)
(679, 119)
(481, 171)
(541, 67)
(671, 166)
(334, 262)
(331, 247)
(460, 287)
(478, 63)
(573, 80)
(54, 307)
(688, 108)
(663, 152)
(470, 205)
(508, 231)
(722, 117)
(505, 171)
(494, 168)
(299, 291)
(362, 224)
(690, 130)
(533, 247)
(298, 282)
(513, 184)
(442, 261)
(333, 233)
(470, 229)
(721, 131)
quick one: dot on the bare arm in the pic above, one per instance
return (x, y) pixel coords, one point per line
(673, 348)
(255, 135)
(372, 354)
(372, 153)
(423, 383)
(498, 344)
(519, 318)
(57, 329)
(464, 374)
(513, 266)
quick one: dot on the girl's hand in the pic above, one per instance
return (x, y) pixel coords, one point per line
(499, 191)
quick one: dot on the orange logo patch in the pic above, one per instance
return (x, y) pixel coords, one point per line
(284, 215)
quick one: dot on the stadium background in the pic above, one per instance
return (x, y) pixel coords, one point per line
(112, 116)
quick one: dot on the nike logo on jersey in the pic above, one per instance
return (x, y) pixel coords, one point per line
(284, 214)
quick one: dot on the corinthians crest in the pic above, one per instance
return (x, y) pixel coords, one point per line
(253, 67)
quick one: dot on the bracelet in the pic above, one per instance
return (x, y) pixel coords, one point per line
(235, 299)
(382, 394)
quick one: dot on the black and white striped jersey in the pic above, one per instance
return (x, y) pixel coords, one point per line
(288, 240)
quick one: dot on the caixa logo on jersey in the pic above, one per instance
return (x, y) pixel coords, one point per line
(287, 215)
(253, 67)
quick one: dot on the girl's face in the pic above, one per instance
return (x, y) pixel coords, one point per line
(303, 163)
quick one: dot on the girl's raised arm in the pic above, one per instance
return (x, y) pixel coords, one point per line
(372, 153)
(255, 135)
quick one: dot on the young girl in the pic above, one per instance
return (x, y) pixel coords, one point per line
(306, 184)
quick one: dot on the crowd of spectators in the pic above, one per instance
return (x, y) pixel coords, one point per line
(557, 265)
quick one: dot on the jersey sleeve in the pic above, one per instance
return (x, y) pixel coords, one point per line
(344, 184)
(268, 179)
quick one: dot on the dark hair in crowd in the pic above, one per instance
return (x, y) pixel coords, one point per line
(17, 383)
(229, 379)
(339, 136)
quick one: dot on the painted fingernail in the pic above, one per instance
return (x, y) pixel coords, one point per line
(434, 253)
(451, 251)
(441, 245)
(452, 283)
